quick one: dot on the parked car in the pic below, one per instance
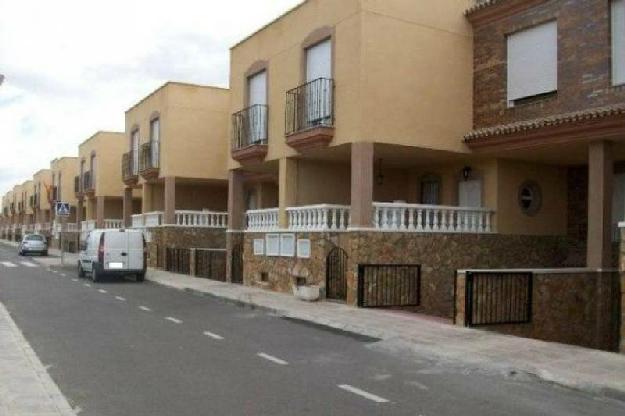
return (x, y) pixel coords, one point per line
(33, 243)
(113, 253)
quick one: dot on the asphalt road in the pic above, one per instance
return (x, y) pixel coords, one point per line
(127, 348)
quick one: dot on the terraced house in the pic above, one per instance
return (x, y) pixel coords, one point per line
(42, 206)
(97, 186)
(64, 171)
(359, 168)
(176, 142)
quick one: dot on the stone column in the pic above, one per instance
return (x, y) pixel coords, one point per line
(236, 201)
(362, 185)
(600, 182)
(127, 206)
(99, 212)
(169, 216)
(287, 189)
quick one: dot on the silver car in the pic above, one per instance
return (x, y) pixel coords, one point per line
(33, 243)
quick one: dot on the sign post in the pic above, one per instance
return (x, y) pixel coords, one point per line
(62, 212)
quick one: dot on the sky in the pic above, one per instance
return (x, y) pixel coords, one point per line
(72, 67)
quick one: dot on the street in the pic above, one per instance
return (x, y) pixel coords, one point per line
(127, 348)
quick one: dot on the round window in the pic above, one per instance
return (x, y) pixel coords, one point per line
(530, 197)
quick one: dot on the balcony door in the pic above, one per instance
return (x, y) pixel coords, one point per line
(318, 94)
(257, 117)
(155, 142)
(134, 147)
(470, 193)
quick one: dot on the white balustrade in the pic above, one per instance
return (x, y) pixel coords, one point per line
(113, 224)
(202, 219)
(322, 217)
(137, 221)
(153, 219)
(432, 218)
(87, 225)
(71, 227)
(262, 219)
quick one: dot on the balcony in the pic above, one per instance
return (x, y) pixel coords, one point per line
(88, 184)
(197, 219)
(149, 160)
(310, 114)
(262, 220)
(130, 172)
(318, 218)
(249, 134)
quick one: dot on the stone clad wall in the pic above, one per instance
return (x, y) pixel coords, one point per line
(182, 237)
(439, 255)
(579, 308)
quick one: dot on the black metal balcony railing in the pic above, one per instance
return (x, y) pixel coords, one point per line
(148, 156)
(310, 105)
(249, 126)
(128, 170)
(77, 184)
(55, 193)
(87, 182)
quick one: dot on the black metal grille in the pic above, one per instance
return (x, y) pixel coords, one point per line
(211, 264)
(148, 156)
(310, 105)
(493, 298)
(177, 260)
(249, 126)
(236, 265)
(128, 170)
(389, 285)
(336, 274)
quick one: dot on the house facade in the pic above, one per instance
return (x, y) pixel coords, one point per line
(64, 171)
(42, 186)
(176, 152)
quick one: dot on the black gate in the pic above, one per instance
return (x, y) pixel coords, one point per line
(211, 264)
(493, 298)
(237, 264)
(336, 274)
(177, 260)
(389, 285)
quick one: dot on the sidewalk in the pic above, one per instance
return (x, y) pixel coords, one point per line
(26, 389)
(421, 337)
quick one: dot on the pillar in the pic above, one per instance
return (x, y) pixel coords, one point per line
(99, 212)
(169, 216)
(79, 211)
(600, 178)
(287, 189)
(362, 185)
(127, 206)
(236, 201)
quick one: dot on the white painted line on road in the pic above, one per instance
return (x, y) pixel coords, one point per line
(102, 291)
(174, 320)
(8, 264)
(63, 274)
(120, 298)
(28, 264)
(145, 308)
(53, 271)
(272, 358)
(74, 280)
(363, 393)
(213, 335)
(86, 285)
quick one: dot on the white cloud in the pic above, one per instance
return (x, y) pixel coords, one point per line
(73, 67)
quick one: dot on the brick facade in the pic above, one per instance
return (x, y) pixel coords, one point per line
(584, 62)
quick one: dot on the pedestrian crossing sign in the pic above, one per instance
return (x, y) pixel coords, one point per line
(62, 209)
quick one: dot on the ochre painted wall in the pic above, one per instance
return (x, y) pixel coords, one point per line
(108, 148)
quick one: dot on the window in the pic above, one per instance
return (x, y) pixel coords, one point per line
(533, 62)
(257, 99)
(530, 198)
(155, 142)
(430, 190)
(319, 61)
(134, 148)
(470, 193)
(318, 92)
(618, 42)
(92, 168)
(82, 175)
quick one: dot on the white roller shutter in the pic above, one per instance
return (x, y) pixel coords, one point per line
(533, 61)
(319, 61)
(257, 117)
(258, 88)
(618, 42)
(470, 193)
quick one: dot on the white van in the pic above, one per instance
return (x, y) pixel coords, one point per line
(112, 252)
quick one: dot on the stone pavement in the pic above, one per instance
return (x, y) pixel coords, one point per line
(26, 389)
(418, 337)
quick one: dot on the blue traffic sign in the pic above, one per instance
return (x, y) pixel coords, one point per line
(62, 209)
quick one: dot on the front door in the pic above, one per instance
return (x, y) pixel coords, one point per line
(470, 193)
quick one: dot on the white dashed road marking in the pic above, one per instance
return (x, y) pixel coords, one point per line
(272, 358)
(213, 335)
(8, 264)
(120, 298)
(63, 274)
(362, 393)
(74, 280)
(145, 308)
(28, 264)
(174, 320)
(102, 291)
(87, 285)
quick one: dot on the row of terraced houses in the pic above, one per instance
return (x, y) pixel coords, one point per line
(454, 158)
